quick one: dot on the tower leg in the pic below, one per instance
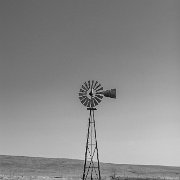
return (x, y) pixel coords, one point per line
(91, 163)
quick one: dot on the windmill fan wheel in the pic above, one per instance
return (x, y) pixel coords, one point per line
(90, 93)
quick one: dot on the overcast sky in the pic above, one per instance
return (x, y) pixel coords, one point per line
(49, 48)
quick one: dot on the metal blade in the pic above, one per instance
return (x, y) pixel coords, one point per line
(101, 92)
(86, 85)
(95, 102)
(85, 103)
(83, 100)
(92, 104)
(89, 103)
(82, 97)
(99, 96)
(95, 85)
(92, 84)
(89, 84)
(99, 89)
(82, 94)
(99, 100)
(84, 88)
(81, 90)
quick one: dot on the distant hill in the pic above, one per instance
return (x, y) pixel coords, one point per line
(61, 167)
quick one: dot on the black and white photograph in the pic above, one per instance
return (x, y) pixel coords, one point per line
(89, 89)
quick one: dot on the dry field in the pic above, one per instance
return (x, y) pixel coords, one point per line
(31, 168)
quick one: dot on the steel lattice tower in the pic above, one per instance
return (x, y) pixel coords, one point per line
(91, 163)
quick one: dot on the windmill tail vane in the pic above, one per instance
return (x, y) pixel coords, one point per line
(109, 93)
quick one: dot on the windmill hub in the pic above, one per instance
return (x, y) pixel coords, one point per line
(91, 93)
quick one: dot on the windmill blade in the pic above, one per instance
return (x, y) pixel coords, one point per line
(82, 97)
(99, 96)
(88, 103)
(86, 85)
(85, 103)
(81, 90)
(92, 103)
(95, 102)
(92, 84)
(82, 94)
(83, 100)
(101, 92)
(95, 85)
(100, 89)
(99, 100)
(84, 88)
(89, 84)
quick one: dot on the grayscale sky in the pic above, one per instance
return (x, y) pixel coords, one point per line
(49, 48)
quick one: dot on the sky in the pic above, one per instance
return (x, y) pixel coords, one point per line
(48, 49)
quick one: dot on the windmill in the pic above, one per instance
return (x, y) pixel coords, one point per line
(91, 94)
